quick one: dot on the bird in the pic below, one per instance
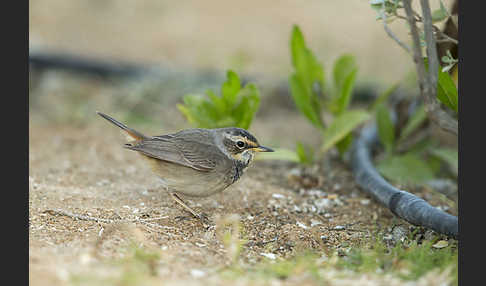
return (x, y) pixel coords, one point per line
(195, 162)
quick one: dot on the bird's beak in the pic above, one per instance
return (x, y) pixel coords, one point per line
(262, 149)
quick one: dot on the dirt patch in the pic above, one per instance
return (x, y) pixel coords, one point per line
(85, 171)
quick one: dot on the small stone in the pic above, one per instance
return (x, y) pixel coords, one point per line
(302, 225)
(315, 222)
(332, 196)
(278, 196)
(269, 255)
(85, 258)
(365, 202)
(196, 273)
(440, 244)
(399, 233)
(322, 203)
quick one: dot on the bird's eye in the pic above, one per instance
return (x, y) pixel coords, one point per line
(240, 144)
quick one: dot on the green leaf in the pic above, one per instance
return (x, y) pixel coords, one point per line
(341, 126)
(386, 129)
(440, 14)
(405, 169)
(449, 156)
(303, 60)
(383, 97)
(250, 102)
(345, 92)
(230, 89)
(301, 97)
(344, 72)
(217, 106)
(343, 66)
(417, 118)
(305, 155)
(235, 107)
(308, 71)
(344, 144)
(279, 154)
(447, 90)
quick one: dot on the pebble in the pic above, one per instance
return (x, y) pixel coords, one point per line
(399, 233)
(196, 273)
(322, 203)
(440, 244)
(365, 202)
(315, 222)
(278, 196)
(269, 255)
(302, 225)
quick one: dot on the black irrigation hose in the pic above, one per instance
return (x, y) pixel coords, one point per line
(403, 204)
(76, 63)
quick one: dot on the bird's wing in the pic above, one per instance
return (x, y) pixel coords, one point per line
(191, 150)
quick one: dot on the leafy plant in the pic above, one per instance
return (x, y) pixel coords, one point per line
(236, 106)
(312, 97)
(446, 89)
(419, 163)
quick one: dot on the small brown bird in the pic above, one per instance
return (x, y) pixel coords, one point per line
(195, 162)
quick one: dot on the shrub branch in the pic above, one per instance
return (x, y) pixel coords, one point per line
(428, 80)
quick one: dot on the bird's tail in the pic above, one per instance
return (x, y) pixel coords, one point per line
(133, 133)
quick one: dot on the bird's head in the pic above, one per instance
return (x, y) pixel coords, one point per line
(240, 144)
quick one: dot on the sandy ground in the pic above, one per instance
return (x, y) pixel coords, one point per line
(80, 169)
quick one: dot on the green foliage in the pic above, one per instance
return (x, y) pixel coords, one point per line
(417, 118)
(386, 129)
(236, 106)
(446, 88)
(281, 154)
(422, 160)
(409, 262)
(385, 6)
(383, 97)
(304, 153)
(309, 74)
(344, 72)
(440, 14)
(407, 168)
(449, 61)
(342, 126)
(448, 156)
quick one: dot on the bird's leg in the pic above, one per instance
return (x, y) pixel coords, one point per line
(176, 198)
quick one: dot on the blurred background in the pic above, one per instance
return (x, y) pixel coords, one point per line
(187, 46)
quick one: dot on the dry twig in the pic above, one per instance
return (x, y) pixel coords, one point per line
(428, 81)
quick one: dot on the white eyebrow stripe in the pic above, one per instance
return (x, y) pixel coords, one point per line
(237, 137)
